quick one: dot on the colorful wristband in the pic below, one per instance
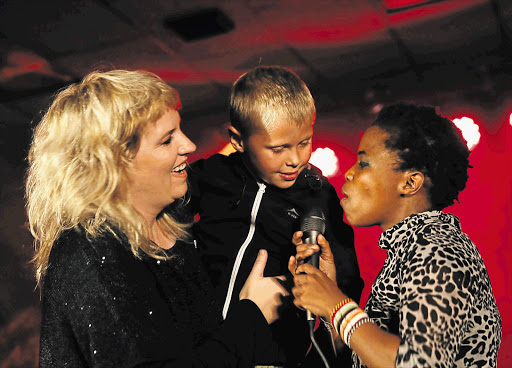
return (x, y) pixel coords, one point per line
(359, 323)
(347, 319)
(343, 312)
(338, 307)
(351, 324)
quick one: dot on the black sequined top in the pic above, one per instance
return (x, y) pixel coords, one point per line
(103, 307)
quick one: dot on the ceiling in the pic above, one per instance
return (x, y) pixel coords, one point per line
(350, 52)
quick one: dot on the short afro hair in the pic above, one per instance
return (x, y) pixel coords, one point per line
(430, 143)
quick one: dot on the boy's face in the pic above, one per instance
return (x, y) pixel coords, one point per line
(278, 155)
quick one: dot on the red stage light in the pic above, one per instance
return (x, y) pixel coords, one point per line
(325, 159)
(470, 131)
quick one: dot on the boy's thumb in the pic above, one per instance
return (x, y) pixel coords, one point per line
(260, 263)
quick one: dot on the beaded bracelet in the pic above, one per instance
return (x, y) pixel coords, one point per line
(340, 311)
(343, 312)
(346, 318)
(359, 323)
(351, 324)
(338, 307)
(348, 307)
(350, 316)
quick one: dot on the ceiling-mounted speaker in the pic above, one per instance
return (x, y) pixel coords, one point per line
(200, 24)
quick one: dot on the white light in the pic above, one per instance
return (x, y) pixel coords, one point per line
(325, 159)
(470, 131)
(510, 119)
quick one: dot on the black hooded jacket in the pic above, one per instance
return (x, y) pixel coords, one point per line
(238, 215)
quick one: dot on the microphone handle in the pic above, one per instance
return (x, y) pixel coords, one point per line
(310, 237)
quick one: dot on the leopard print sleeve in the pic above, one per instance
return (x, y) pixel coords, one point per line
(434, 292)
(443, 279)
(439, 281)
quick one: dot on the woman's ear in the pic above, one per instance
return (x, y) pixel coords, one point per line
(412, 183)
(236, 139)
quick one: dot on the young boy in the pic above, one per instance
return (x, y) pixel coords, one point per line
(255, 197)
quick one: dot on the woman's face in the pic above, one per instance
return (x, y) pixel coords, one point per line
(157, 175)
(372, 188)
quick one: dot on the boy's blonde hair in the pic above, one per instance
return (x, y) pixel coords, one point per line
(79, 156)
(266, 94)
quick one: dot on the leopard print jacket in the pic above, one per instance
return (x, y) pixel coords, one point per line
(434, 292)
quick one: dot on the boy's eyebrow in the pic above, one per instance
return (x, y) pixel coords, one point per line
(286, 144)
(279, 145)
(361, 153)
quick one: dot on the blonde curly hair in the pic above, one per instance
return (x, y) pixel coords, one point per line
(78, 159)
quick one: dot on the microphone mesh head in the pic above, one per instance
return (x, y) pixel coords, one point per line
(313, 220)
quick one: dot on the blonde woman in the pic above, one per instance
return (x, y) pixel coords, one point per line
(121, 282)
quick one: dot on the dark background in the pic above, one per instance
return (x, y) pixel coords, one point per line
(354, 55)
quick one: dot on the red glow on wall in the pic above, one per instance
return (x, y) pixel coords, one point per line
(399, 4)
(175, 75)
(192, 76)
(335, 29)
(429, 10)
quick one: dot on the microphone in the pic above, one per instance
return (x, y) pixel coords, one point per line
(311, 225)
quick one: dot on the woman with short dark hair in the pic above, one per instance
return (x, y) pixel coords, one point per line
(432, 304)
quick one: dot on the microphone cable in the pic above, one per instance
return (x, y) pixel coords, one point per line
(311, 324)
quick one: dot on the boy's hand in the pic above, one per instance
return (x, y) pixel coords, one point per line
(266, 292)
(306, 250)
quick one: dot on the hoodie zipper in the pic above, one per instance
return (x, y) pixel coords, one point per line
(241, 251)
